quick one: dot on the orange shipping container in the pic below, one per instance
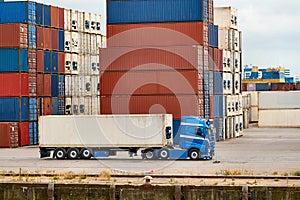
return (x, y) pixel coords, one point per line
(14, 84)
(32, 84)
(54, 39)
(8, 134)
(39, 37)
(61, 62)
(47, 38)
(150, 82)
(151, 58)
(211, 106)
(61, 19)
(54, 14)
(23, 134)
(13, 36)
(179, 105)
(47, 106)
(32, 60)
(40, 61)
(155, 34)
(218, 59)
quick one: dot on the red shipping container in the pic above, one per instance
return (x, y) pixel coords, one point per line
(61, 19)
(218, 59)
(32, 60)
(40, 61)
(297, 86)
(14, 84)
(179, 105)
(8, 134)
(244, 86)
(43, 85)
(13, 36)
(47, 106)
(211, 106)
(155, 34)
(47, 38)
(54, 39)
(211, 61)
(23, 134)
(32, 84)
(61, 62)
(39, 37)
(154, 58)
(54, 14)
(149, 82)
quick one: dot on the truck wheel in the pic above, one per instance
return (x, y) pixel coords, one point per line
(73, 153)
(149, 154)
(86, 153)
(194, 154)
(164, 154)
(60, 153)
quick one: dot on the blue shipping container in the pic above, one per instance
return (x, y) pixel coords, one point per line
(205, 10)
(219, 125)
(176, 126)
(47, 62)
(61, 85)
(31, 36)
(218, 83)
(46, 19)
(219, 105)
(18, 12)
(14, 109)
(54, 105)
(39, 14)
(13, 60)
(262, 86)
(213, 36)
(33, 109)
(33, 133)
(61, 106)
(206, 107)
(61, 40)
(150, 11)
(54, 85)
(54, 62)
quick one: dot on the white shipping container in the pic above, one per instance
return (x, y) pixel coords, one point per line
(237, 62)
(95, 67)
(75, 37)
(95, 109)
(67, 19)
(225, 39)
(279, 100)
(105, 130)
(75, 106)
(68, 85)
(241, 39)
(228, 83)
(239, 99)
(99, 25)
(237, 83)
(80, 22)
(227, 61)
(229, 105)
(254, 114)
(229, 127)
(74, 64)
(68, 63)
(288, 118)
(75, 87)
(68, 106)
(246, 117)
(236, 40)
(103, 44)
(241, 125)
(68, 41)
(85, 105)
(236, 123)
(254, 98)
(74, 20)
(86, 64)
(87, 85)
(85, 41)
(226, 17)
(95, 85)
(94, 47)
(87, 22)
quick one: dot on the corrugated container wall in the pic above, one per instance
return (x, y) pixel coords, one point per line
(14, 109)
(14, 84)
(17, 40)
(155, 34)
(13, 60)
(121, 12)
(26, 12)
(8, 134)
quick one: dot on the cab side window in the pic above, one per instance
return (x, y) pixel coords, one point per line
(199, 132)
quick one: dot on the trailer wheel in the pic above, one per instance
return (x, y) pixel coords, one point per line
(73, 153)
(86, 153)
(164, 154)
(60, 153)
(194, 154)
(149, 154)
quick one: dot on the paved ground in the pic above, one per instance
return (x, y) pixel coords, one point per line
(259, 151)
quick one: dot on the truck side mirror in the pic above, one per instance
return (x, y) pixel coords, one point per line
(168, 132)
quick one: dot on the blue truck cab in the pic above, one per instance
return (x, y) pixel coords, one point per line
(197, 141)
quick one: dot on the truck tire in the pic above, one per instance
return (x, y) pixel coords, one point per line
(60, 153)
(164, 154)
(73, 153)
(149, 154)
(194, 154)
(86, 153)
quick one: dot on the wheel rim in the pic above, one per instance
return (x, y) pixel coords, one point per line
(86, 153)
(194, 155)
(149, 155)
(164, 154)
(73, 154)
(60, 154)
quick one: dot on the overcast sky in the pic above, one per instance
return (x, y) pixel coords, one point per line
(271, 30)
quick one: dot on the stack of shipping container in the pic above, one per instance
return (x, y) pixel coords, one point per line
(158, 58)
(33, 66)
(229, 95)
